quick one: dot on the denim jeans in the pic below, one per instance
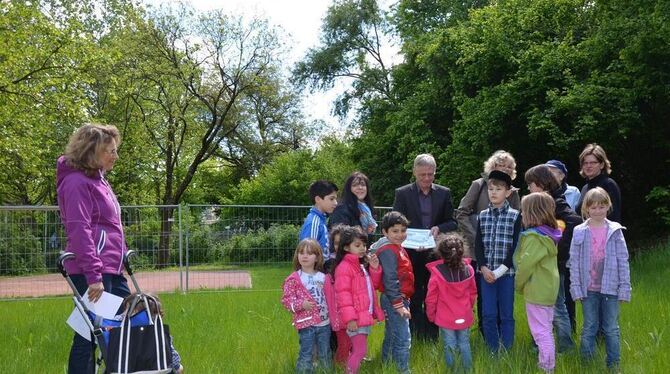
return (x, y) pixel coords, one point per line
(309, 337)
(397, 338)
(562, 320)
(498, 297)
(81, 356)
(457, 340)
(594, 306)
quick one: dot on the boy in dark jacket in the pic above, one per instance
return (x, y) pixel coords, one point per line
(540, 178)
(397, 288)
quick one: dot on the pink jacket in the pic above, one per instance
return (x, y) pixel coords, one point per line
(353, 303)
(449, 304)
(295, 294)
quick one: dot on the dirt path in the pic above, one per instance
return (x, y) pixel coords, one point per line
(164, 281)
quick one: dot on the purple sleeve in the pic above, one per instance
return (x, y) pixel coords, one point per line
(76, 205)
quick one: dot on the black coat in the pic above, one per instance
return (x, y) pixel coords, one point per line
(407, 202)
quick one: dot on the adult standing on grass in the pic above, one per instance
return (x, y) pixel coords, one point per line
(427, 206)
(596, 169)
(91, 215)
(476, 200)
(356, 205)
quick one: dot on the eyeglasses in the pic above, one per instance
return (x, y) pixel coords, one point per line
(113, 152)
(589, 163)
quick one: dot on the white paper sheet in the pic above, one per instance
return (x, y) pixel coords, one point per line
(419, 239)
(106, 307)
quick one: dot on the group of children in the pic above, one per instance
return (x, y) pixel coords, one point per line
(336, 279)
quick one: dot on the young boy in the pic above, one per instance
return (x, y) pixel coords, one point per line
(397, 288)
(324, 196)
(497, 234)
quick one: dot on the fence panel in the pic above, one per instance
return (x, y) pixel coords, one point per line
(180, 248)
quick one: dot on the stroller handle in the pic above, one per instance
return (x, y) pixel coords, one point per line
(126, 261)
(65, 256)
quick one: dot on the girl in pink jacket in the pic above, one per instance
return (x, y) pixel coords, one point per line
(307, 293)
(355, 286)
(451, 294)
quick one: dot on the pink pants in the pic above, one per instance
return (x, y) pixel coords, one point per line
(540, 318)
(359, 347)
(343, 346)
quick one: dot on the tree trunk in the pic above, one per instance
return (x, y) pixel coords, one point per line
(164, 240)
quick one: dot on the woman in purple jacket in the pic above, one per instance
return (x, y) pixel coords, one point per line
(92, 219)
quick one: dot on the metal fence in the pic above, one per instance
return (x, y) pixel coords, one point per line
(180, 248)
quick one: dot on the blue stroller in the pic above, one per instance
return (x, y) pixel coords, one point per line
(137, 342)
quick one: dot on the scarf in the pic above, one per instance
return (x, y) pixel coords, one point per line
(367, 222)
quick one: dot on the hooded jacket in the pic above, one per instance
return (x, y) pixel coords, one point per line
(616, 272)
(91, 215)
(295, 294)
(535, 261)
(353, 303)
(397, 275)
(449, 304)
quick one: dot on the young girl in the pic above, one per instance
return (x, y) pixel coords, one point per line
(355, 291)
(342, 344)
(305, 294)
(155, 307)
(537, 272)
(599, 274)
(452, 292)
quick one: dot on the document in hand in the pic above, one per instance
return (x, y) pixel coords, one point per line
(419, 239)
(106, 307)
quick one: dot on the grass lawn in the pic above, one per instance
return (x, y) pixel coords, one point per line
(250, 332)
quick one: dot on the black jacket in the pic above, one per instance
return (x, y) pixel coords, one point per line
(571, 219)
(608, 184)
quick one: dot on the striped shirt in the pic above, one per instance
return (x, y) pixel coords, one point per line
(315, 228)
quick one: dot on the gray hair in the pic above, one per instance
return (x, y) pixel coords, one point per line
(424, 159)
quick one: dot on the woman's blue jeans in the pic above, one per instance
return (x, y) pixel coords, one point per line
(81, 355)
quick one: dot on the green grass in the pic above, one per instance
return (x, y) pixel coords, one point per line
(250, 332)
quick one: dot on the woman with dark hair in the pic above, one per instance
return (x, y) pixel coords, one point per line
(596, 169)
(356, 205)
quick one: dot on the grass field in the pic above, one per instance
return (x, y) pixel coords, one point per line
(250, 332)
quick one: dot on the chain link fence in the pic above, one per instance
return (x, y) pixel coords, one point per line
(180, 248)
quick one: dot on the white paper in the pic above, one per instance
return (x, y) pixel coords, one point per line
(419, 239)
(106, 307)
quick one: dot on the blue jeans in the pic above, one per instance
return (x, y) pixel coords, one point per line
(309, 337)
(81, 355)
(562, 320)
(457, 340)
(498, 298)
(594, 306)
(397, 338)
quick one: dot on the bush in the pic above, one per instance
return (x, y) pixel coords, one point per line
(21, 251)
(275, 244)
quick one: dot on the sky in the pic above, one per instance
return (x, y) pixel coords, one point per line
(301, 20)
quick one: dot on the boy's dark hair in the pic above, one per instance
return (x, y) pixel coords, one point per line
(347, 236)
(393, 218)
(321, 188)
(542, 176)
(450, 247)
(499, 178)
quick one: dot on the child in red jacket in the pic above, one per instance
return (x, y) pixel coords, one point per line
(355, 291)
(306, 292)
(451, 294)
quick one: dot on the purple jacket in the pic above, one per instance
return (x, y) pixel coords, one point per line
(92, 218)
(616, 273)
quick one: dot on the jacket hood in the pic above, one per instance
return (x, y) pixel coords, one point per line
(63, 170)
(460, 288)
(378, 244)
(554, 234)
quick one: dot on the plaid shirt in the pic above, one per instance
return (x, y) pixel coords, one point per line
(497, 234)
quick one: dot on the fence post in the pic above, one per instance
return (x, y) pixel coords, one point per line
(188, 235)
(181, 283)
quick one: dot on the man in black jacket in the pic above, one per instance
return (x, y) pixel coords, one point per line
(427, 206)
